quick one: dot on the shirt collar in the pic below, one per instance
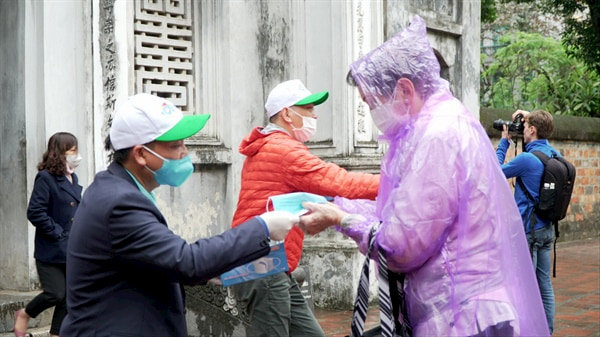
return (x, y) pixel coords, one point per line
(271, 127)
(536, 143)
(149, 195)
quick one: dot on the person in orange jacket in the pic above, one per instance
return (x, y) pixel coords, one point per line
(277, 162)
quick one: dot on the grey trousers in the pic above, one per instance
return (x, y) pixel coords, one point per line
(277, 308)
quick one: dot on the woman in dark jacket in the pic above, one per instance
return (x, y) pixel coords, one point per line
(54, 200)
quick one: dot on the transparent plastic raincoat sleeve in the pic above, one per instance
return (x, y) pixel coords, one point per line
(448, 218)
(424, 203)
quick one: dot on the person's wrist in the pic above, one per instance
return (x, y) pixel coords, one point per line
(264, 224)
(345, 221)
(351, 219)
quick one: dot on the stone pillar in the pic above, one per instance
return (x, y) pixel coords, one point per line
(44, 89)
(15, 240)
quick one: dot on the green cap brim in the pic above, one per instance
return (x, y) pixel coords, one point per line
(188, 126)
(315, 99)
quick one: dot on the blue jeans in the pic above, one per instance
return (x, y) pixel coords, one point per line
(540, 244)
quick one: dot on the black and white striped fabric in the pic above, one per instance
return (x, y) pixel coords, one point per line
(361, 303)
(392, 310)
(386, 312)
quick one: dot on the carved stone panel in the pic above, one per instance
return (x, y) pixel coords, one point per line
(163, 55)
(446, 10)
(214, 311)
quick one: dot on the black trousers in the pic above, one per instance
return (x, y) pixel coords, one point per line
(53, 279)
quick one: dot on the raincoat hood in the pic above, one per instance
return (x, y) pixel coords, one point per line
(406, 55)
(254, 141)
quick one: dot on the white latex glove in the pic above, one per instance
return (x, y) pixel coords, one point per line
(279, 223)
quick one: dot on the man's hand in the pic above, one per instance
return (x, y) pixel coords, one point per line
(320, 216)
(505, 133)
(522, 112)
(279, 223)
(215, 281)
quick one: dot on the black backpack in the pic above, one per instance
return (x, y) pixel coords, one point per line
(555, 191)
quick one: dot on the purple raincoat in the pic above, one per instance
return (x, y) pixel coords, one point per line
(448, 217)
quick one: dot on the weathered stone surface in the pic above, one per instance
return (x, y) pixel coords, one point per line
(213, 311)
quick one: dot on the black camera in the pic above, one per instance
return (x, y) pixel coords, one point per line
(516, 126)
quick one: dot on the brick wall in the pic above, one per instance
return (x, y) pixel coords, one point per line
(583, 219)
(578, 140)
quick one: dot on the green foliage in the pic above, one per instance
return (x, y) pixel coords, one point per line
(582, 35)
(535, 72)
(488, 11)
(581, 19)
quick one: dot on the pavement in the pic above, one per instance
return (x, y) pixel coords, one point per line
(576, 290)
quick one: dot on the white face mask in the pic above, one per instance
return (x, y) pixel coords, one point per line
(73, 161)
(389, 116)
(308, 129)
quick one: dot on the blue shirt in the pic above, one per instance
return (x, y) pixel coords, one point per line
(530, 169)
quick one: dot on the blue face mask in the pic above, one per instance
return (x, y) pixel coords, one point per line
(292, 202)
(173, 172)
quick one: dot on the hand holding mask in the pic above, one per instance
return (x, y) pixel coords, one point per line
(320, 216)
(292, 202)
(279, 223)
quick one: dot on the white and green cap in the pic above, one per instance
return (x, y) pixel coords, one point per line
(144, 118)
(290, 93)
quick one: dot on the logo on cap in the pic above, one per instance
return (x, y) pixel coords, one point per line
(167, 109)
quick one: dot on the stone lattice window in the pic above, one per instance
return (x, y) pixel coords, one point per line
(163, 54)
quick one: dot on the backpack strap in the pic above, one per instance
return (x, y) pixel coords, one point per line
(532, 219)
(554, 263)
(541, 156)
(527, 194)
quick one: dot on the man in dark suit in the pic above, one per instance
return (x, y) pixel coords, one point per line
(125, 267)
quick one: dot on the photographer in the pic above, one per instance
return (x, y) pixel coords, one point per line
(535, 128)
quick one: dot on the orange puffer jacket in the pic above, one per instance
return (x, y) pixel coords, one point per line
(276, 163)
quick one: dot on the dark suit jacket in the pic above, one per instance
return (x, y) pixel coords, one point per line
(51, 209)
(125, 267)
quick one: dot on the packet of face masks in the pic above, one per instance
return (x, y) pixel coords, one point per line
(274, 263)
(292, 202)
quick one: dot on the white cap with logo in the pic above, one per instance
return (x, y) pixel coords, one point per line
(144, 118)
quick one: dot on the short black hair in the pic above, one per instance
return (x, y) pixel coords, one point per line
(118, 156)
(350, 79)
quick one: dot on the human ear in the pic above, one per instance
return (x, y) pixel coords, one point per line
(138, 154)
(405, 90)
(285, 114)
(533, 130)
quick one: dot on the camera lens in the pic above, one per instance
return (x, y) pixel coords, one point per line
(498, 123)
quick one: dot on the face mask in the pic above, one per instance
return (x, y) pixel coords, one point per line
(73, 161)
(292, 202)
(308, 129)
(390, 116)
(173, 172)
